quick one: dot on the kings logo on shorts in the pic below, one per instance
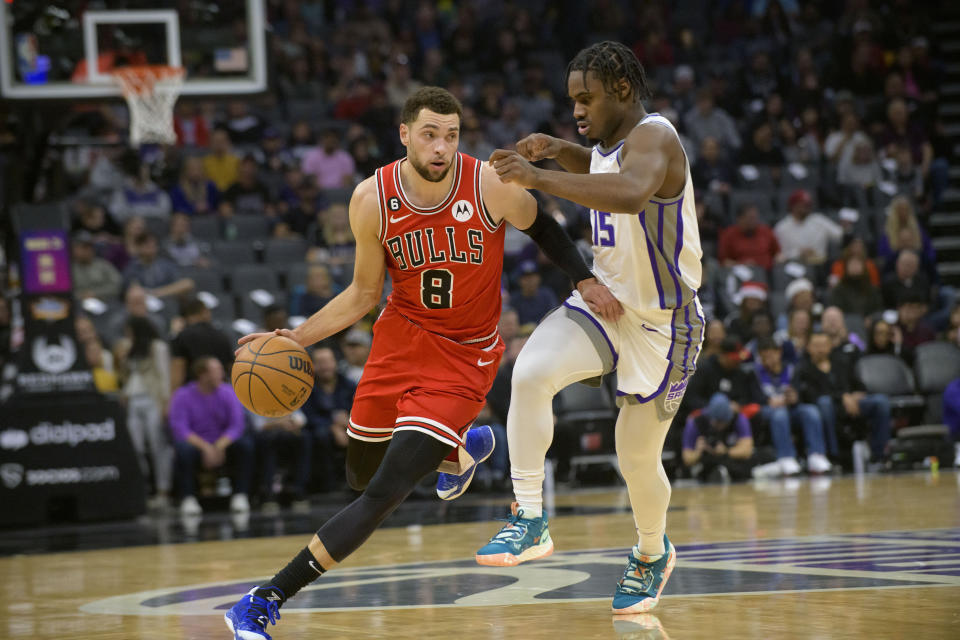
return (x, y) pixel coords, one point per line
(675, 395)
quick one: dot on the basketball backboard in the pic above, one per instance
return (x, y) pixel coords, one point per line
(65, 48)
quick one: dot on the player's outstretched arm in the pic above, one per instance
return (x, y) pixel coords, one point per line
(515, 205)
(571, 156)
(368, 273)
(645, 156)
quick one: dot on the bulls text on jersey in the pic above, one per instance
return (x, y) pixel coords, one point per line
(435, 245)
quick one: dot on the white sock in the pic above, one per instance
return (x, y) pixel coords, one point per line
(528, 489)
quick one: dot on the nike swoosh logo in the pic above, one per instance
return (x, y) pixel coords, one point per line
(316, 567)
(481, 363)
(392, 219)
(648, 328)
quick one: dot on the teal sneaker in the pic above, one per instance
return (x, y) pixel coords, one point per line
(642, 583)
(522, 539)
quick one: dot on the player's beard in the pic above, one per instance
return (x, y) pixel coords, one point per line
(424, 170)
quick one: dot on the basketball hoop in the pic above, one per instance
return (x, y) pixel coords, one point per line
(151, 91)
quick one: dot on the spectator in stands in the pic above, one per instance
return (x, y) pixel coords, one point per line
(472, 140)
(752, 298)
(803, 235)
(245, 128)
(101, 365)
(143, 362)
(951, 416)
(530, 299)
(907, 278)
(400, 82)
(275, 317)
(827, 378)
(285, 435)
(906, 177)
(799, 296)
(714, 336)
(509, 325)
(903, 231)
(900, 131)
(157, 274)
(861, 170)
(134, 306)
(181, 247)
(139, 195)
(856, 248)
(356, 350)
(248, 195)
(781, 406)
(302, 215)
(330, 166)
(761, 151)
(93, 277)
(318, 291)
(712, 172)
(275, 160)
(221, 164)
(952, 332)
(194, 193)
(793, 339)
(190, 125)
(302, 140)
(886, 338)
(708, 120)
(749, 241)
(90, 216)
(833, 323)
(207, 423)
(721, 373)
(198, 339)
(761, 330)
(760, 78)
(718, 443)
(336, 246)
(327, 412)
(912, 306)
(840, 144)
(854, 293)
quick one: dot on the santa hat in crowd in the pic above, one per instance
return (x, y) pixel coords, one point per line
(752, 289)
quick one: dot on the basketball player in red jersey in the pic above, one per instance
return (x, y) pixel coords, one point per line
(435, 220)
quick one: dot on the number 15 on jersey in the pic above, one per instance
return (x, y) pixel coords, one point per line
(602, 229)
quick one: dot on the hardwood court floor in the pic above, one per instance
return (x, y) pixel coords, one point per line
(870, 557)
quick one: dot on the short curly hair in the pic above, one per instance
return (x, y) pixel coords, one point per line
(437, 99)
(612, 62)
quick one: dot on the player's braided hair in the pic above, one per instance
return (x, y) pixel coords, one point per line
(612, 62)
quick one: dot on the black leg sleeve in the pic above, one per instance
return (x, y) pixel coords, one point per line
(409, 457)
(363, 460)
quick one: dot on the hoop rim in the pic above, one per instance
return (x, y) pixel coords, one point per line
(141, 79)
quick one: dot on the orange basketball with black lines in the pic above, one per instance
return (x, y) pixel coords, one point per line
(272, 376)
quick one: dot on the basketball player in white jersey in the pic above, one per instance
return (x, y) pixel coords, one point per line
(646, 249)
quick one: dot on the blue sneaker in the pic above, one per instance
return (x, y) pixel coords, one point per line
(521, 540)
(479, 443)
(248, 618)
(642, 583)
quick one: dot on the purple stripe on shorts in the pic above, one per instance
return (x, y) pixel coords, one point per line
(599, 327)
(679, 244)
(653, 260)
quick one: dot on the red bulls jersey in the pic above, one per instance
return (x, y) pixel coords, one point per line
(446, 260)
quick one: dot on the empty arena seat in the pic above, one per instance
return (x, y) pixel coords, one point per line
(205, 228)
(296, 275)
(251, 226)
(889, 375)
(936, 365)
(249, 277)
(230, 254)
(205, 279)
(285, 250)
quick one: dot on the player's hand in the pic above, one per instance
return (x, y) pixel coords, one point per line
(250, 337)
(538, 146)
(600, 300)
(512, 167)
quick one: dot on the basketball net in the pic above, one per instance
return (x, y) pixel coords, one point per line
(151, 91)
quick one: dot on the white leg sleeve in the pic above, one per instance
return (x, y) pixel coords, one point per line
(640, 437)
(557, 354)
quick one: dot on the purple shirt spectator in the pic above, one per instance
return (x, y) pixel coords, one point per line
(699, 425)
(209, 416)
(951, 408)
(329, 169)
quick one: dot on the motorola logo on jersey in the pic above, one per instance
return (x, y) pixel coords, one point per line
(462, 210)
(436, 245)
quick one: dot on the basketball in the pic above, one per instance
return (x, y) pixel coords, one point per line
(272, 376)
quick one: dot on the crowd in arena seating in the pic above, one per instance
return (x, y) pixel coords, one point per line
(810, 133)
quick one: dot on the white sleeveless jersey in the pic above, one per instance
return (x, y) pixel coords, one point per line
(650, 259)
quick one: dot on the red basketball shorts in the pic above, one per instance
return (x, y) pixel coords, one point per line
(415, 380)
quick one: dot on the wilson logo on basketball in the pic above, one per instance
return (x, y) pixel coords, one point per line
(300, 364)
